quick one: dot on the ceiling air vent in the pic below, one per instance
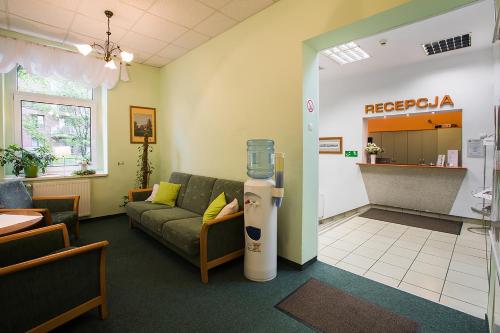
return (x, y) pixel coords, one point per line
(446, 45)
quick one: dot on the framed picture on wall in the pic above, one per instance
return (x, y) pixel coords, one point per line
(142, 122)
(331, 145)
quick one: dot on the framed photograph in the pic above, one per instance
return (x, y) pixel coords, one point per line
(331, 145)
(142, 121)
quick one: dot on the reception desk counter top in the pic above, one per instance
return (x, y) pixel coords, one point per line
(417, 187)
(410, 166)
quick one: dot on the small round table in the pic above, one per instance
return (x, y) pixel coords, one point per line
(11, 229)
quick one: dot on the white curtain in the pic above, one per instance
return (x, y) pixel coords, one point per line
(53, 62)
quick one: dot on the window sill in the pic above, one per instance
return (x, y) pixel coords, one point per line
(56, 177)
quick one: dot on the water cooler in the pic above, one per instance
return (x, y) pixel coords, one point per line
(263, 196)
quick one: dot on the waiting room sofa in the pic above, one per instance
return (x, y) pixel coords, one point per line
(44, 282)
(181, 229)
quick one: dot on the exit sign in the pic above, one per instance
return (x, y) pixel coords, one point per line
(351, 153)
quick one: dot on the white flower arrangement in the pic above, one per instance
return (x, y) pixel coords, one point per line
(372, 148)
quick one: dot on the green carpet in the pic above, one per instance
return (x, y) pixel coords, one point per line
(150, 289)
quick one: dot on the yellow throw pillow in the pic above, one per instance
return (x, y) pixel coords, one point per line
(167, 194)
(215, 207)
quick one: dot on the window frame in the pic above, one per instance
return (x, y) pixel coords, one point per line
(19, 96)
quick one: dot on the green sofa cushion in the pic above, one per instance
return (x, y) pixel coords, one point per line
(198, 193)
(184, 234)
(154, 219)
(183, 179)
(232, 189)
(135, 209)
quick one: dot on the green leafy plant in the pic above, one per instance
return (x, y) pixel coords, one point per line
(84, 172)
(21, 158)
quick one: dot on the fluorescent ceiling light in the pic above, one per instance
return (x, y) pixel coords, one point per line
(346, 53)
(449, 44)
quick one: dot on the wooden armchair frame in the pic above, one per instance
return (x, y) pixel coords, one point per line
(100, 301)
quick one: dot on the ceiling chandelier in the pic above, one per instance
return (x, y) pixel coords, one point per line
(109, 50)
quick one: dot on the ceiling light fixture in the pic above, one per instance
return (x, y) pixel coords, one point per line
(346, 53)
(449, 44)
(109, 50)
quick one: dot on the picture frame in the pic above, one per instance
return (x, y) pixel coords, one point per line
(331, 145)
(140, 118)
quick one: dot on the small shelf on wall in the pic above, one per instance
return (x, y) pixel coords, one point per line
(411, 166)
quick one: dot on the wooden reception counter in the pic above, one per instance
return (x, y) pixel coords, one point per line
(418, 187)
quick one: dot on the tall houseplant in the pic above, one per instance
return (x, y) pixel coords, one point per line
(29, 161)
(143, 162)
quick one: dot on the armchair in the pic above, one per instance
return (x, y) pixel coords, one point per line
(55, 209)
(36, 269)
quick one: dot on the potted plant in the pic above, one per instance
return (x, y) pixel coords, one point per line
(29, 161)
(373, 150)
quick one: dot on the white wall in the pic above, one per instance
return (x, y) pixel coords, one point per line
(468, 78)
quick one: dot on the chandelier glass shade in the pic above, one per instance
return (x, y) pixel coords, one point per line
(109, 50)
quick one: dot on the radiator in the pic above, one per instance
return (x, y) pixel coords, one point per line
(73, 187)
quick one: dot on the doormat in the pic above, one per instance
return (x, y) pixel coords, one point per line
(328, 309)
(431, 223)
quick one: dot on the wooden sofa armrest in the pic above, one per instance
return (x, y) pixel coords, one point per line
(205, 265)
(34, 232)
(55, 198)
(131, 192)
(44, 211)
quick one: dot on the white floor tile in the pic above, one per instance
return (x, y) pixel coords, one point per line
(382, 279)
(471, 260)
(433, 260)
(395, 260)
(368, 252)
(328, 260)
(325, 241)
(413, 238)
(376, 245)
(424, 268)
(402, 252)
(408, 245)
(354, 239)
(466, 294)
(344, 245)
(388, 270)
(351, 268)
(436, 252)
(443, 237)
(470, 251)
(479, 244)
(357, 221)
(424, 281)
(359, 261)
(421, 292)
(420, 232)
(334, 253)
(467, 280)
(469, 269)
(389, 233)
(334, 234)
(384, 239)
(440, 245)
(468, 308)
(369, 227)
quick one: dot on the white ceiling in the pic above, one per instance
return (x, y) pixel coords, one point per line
(404, 44)
(156, 31)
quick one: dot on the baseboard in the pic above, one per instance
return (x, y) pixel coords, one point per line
(98, 218)
(297, 266)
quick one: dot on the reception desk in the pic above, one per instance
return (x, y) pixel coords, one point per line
(411, 186)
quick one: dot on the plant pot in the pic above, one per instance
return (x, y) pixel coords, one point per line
(373, 158)
(31, 171)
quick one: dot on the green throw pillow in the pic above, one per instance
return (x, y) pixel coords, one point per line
(215, 207)
(167, 194)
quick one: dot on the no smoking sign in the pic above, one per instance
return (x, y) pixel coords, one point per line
(310, 105)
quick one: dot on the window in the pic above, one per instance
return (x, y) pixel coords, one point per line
(58, 114)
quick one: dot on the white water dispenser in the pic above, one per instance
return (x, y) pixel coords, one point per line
(263, 196)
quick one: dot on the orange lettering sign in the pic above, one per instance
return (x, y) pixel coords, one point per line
(402, 105)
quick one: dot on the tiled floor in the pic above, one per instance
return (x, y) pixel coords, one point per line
(441, 267)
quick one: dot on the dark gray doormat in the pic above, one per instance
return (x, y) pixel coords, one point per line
(328, 309)
(431, 223)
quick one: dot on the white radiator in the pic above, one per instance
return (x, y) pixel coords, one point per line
(68, 187)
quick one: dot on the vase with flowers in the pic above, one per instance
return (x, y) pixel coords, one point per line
(373, 150)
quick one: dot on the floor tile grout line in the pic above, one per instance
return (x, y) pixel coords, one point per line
(448, 270)
(427, 239)
(469, 303)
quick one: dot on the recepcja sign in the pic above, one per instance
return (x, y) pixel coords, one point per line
(404, 105)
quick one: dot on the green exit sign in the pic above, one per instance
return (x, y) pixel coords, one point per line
(351, 153)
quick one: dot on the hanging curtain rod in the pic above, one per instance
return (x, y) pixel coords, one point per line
(36, 40)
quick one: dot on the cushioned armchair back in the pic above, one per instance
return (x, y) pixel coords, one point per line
(232, 189)
(198, 193)
(183, 179)
(13, 194)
